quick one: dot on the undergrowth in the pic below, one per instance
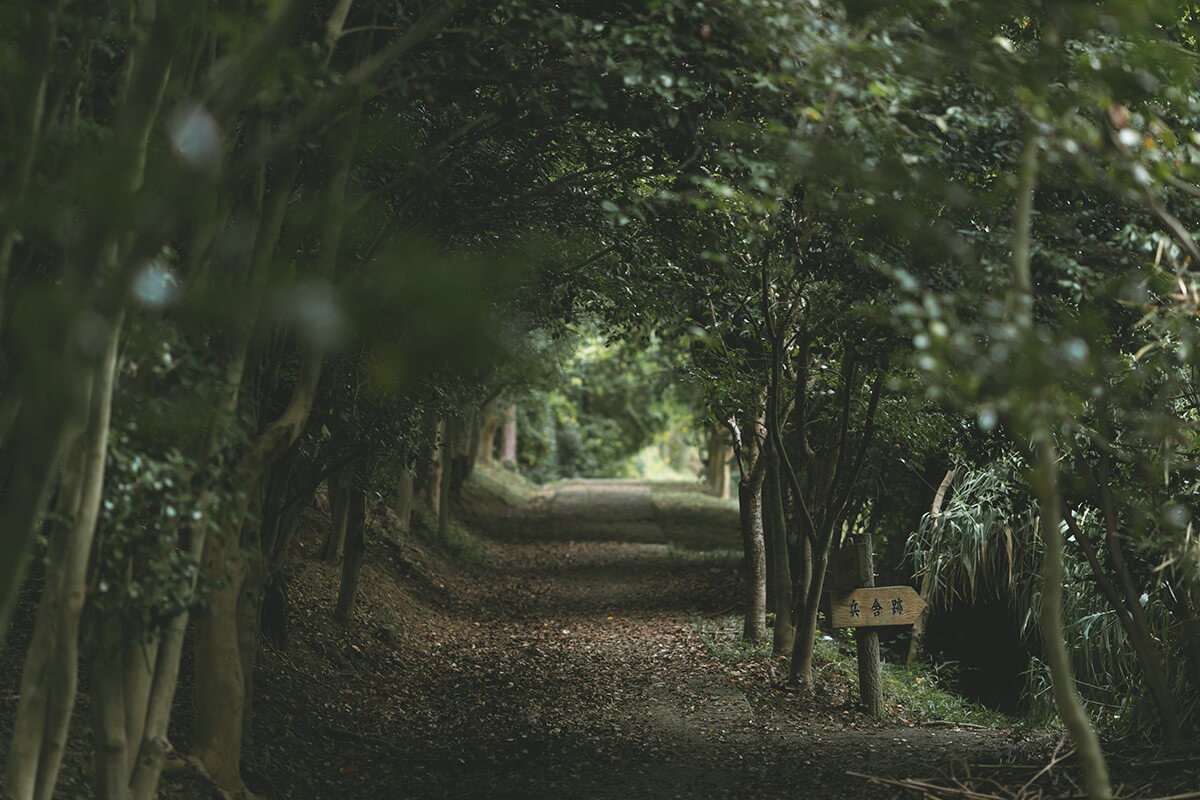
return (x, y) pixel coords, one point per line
(911, 694)
(513, 488)
(461, 542)
(718, 558)
(685, 498)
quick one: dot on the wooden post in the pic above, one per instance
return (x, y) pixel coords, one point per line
(870, 672)
(865, 609)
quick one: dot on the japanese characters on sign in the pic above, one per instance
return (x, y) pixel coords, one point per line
(883, 605)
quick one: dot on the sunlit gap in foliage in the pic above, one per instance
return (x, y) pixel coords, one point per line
(613, 409)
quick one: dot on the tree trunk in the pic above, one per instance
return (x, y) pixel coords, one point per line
(1133, 622)
(437, 465)
(249, 618)
(220, 685)
(220, 681)
(1066, 696)
(152, 750)
(804, 574)
(461, 454)
(870, 673)
(108, 711)
(355, 553)
(122, 681)
(40, 439)
(781, 573)
(339, 509)
(51, 673)
(717, 463)
(489, 425)
(800, 669)
(467, 450)
(508, 436)
(750, 517)
(445, 489)
(917, 638)
(404, 499)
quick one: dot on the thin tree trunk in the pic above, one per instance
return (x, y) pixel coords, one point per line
(453, 431)
(750, 517)
(917, 639)
(753, 549)
(1066, 696)
(870, 674)
(717, 464)
(339, 510)
(220, 682)
(220, 685)
(108, 711)
(355, 553)
(489, 425)
(51, 672)
(1154, 671)
(249, 610)
(41, 439)
(804, 564)
(468, 450)
(404, 499)
(1137, 626)
(781, 573)
(508, 436)
(221, 665)
(437, 465)
(153, 748)
(800, 668)
(140, 661)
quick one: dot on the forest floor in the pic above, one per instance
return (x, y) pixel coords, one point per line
(584, 647)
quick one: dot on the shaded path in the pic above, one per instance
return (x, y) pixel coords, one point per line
(578, 672)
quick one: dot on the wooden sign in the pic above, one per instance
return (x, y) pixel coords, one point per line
(848, 568)
(881, 605)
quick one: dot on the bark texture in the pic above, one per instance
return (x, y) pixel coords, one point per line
(355, 553)
(775, 525)
(754, 556)
(1066, 696)
(917, 638)
(870, 673)
(489, 426)
(508, 436)
(51, 672)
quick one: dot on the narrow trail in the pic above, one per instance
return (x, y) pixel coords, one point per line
(577, 671)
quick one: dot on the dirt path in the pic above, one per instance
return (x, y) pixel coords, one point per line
(577, 672)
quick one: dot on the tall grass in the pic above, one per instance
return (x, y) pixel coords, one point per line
(986, 544)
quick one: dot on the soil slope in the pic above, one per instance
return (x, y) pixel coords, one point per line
(561, 659)
(558, 656)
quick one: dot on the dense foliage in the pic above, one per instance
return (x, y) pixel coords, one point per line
(250, 250)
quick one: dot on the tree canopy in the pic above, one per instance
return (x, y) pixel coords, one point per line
(252, 252)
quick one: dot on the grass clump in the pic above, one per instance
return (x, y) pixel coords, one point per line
(717, 558)
(915, 692)
(509, 485)
(723, 639)
(911, 694)
(673, 499)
